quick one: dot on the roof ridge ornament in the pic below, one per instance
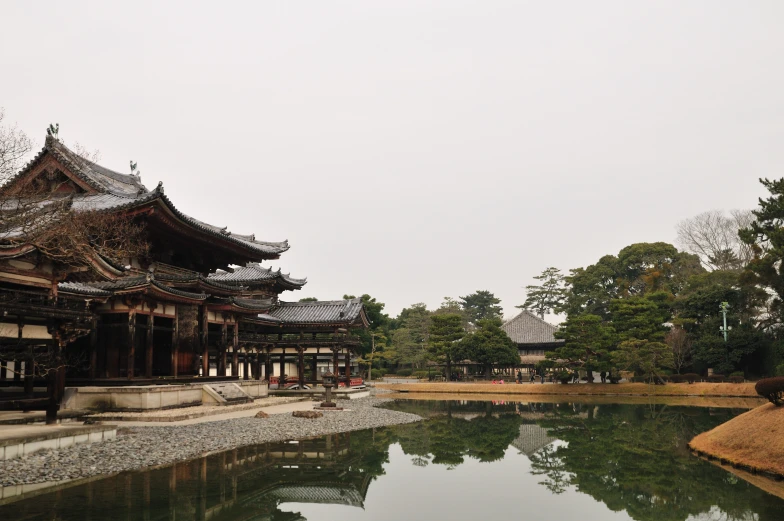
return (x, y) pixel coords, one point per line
(53, 132)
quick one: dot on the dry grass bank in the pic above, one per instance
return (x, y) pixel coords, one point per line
(689, 401)
(623, 389)
(753, 440)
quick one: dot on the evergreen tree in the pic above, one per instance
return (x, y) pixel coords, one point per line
(445, 332)
(644, 357)
(481, 305)
(547, 297)
(489, 345)
(587, 345)
(766, 237)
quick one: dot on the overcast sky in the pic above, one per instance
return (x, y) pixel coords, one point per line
(414, 150)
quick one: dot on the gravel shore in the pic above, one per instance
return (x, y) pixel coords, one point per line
(139, 447)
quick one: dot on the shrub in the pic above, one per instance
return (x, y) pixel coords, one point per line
(564, 377)
(780, 370)
(692, 377)
(716, 378)
(738, 373)
(404, 372)
(677, 378)
(736, 379)
(421, 374)
(614, 379)
(772, 389)
(376, 374)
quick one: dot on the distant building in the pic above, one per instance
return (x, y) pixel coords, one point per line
(534, 337)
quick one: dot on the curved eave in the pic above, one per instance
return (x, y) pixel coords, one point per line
(291, 286)
(11, 252)
(219, 289)
(155, 289)
(262, 320)
(265, 251)
(234, 308)
(174, 294)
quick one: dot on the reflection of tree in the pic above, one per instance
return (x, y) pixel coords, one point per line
(635, 459)
(545, 462)
(448, 440)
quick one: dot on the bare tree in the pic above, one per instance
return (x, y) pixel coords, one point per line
(15, 146)
(678, 340)
(82, 151)
(61, 226)
(713, 236)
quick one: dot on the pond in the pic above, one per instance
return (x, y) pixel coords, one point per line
(469, 460)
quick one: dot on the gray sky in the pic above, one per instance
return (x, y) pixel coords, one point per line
(415, 150)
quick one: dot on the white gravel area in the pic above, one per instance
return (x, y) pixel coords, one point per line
(138, 447)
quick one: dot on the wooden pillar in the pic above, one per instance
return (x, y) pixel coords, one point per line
(55, 383)
(147, 497)
(149, 346)
(314, 366)
(3, 368)
(205, 343)
(175, 350)
(245, 366)
(335, 351)
(94, 349)
(131, 342)
(282, 368)
(29, 371)
(301, 366)
(267, 363)
(224, 346)
(172, 491)
(258, 364)
(348, 364)
(235, 363)
(202, 514)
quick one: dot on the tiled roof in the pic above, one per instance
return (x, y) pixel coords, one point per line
(118, 191)
(527, 328)
(318, 493)
(82, 289)
(330, 312)
(134, 283)
(254, 272)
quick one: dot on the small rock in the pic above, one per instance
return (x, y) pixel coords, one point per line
(261, 414)
(307, 414)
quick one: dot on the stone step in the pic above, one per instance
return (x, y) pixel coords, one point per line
(231, 392)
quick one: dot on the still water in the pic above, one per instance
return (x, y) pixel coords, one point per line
(473, 460)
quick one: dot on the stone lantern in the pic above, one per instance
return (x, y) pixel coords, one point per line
(328, 381)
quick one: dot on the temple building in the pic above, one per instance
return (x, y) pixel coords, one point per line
(534, 337)
(200, 303)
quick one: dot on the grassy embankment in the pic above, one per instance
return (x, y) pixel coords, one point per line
(744, 390)
(753, 441)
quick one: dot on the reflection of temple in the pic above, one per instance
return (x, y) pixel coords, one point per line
(531, 439)
(248, 484)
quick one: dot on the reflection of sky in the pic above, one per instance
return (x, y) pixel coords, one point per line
(472, 491)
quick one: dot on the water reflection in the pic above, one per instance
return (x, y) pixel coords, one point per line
(631, 458)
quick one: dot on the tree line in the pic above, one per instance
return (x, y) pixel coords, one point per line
(654, 309)
(467, 328)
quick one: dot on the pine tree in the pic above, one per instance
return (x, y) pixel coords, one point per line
(547, 297)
